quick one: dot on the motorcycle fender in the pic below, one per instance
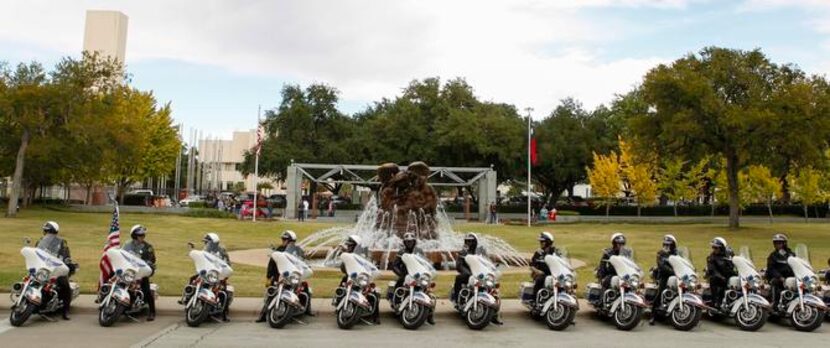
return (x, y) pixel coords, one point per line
(32, 294)
(121, 295)
(421, 298)
(290, 298)
(752, 298)
(630, 298)
(809, 300)
(360, 300)
(207, 296)
(563, 299)
(689, 299)
(484, 299)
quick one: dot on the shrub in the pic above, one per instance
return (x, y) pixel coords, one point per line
(209, 213)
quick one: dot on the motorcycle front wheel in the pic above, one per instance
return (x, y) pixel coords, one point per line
(560, 318)
(21, 313)
(412, 318)
(108, 314)
(279, 315)
(686, 317)
(347, 316)
(196, 314)
(807, 319)
(750, 317)
(627, 316)
(479, 317)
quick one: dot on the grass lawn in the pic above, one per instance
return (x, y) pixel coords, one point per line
(169, 234)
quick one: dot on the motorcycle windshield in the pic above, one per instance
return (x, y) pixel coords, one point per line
(126, 260)
(558, 265)
(802, 252)
(356, 264)
(288, 263)
(684, 252)
(625, 266)
(38, 258)
(480, 265)
(682, 267)
(745, 252)
(415, 264)
(745, 267)
(801, 267)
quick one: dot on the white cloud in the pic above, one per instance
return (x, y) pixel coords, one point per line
(368, 49)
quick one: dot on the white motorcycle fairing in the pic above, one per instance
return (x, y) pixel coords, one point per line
(417, 266)
(206, 262)
(289, 264)
(36, 260)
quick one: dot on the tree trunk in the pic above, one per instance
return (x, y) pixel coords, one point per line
(806, 218)
(769, 209)
(89, 194)
(638, 209)
(607, 208)
(732, 186)
(675, 208)
(815, 209)
(18, 174)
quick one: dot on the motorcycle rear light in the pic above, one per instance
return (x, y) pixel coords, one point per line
(17, 287)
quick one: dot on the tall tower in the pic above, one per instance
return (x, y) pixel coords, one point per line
(106, 33)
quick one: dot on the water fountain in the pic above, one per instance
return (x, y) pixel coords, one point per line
(405, 203)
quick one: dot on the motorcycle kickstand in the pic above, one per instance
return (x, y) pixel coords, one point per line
(134, 319)
(298, 321)
(48, 318)
(367, 322)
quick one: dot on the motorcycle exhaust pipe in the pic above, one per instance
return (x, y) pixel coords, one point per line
(189, 290)
(272, 291)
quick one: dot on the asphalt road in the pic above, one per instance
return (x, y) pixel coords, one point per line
(169, 330)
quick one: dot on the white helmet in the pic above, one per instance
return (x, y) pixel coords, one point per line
(546, 236)
(618, 238)
(290, 235)
(51, 227)
(353, 238)
(719, 242)
(211, 237)
(669, 239)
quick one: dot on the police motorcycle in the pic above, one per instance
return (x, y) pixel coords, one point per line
(37, 293)
(414, 301)
(209, 294)
(800, 301)
(680, 301)
(478, 301)
(556, 303)
(357, 298)
(289, 297)
(121, 294)
(742, 300)
(622, 301)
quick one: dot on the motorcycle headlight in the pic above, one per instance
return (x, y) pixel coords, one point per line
(753, 282)
(690, 281)
(423, 281)
(363, 280)
(810, 283)
(294, 279)
(212, 276)
(42, 275)
(490, 281)
(128, 276)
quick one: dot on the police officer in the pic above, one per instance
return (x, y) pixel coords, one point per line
(146, 252)
(539, 269)
(58, 247)
(471, 247)
(272, 275)
(777, 267)
(663, 271)
(606, 271)
(212, 246)
(352, 245)
(409, 247)
(719, 269)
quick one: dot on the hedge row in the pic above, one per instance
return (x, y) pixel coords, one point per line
(700, 210)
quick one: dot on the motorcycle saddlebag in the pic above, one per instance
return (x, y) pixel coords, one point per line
(526, 291)
(594, 292)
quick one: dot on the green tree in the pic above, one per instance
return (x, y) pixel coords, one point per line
(718, 102)
(680, 182)
(762, 186)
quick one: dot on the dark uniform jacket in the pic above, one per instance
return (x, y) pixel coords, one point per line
(777, 266)
(664, 269)
(461, 264)
(144, 251)
(605, 268)
(719, 268)
(537, 261)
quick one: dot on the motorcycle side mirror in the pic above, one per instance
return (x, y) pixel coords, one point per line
(191, 245)
(27, 241)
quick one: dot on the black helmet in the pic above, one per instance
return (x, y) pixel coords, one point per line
(51, 227)
(138, 230)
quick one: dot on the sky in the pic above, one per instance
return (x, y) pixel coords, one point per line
(217, 61)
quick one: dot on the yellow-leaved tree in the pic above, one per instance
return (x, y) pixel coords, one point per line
(806, 187)
(638, 173)
(604, 178)
(762, 186)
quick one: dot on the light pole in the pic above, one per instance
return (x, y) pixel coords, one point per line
(529, 135)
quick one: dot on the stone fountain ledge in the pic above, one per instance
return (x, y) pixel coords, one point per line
(259, 258)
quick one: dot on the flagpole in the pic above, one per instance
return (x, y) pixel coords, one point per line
(256, 163)
(528, 165)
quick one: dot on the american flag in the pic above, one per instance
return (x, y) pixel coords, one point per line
(259, 131)
(113, 240)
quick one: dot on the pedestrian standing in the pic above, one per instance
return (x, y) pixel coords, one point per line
(493, 210)
(305, 209)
